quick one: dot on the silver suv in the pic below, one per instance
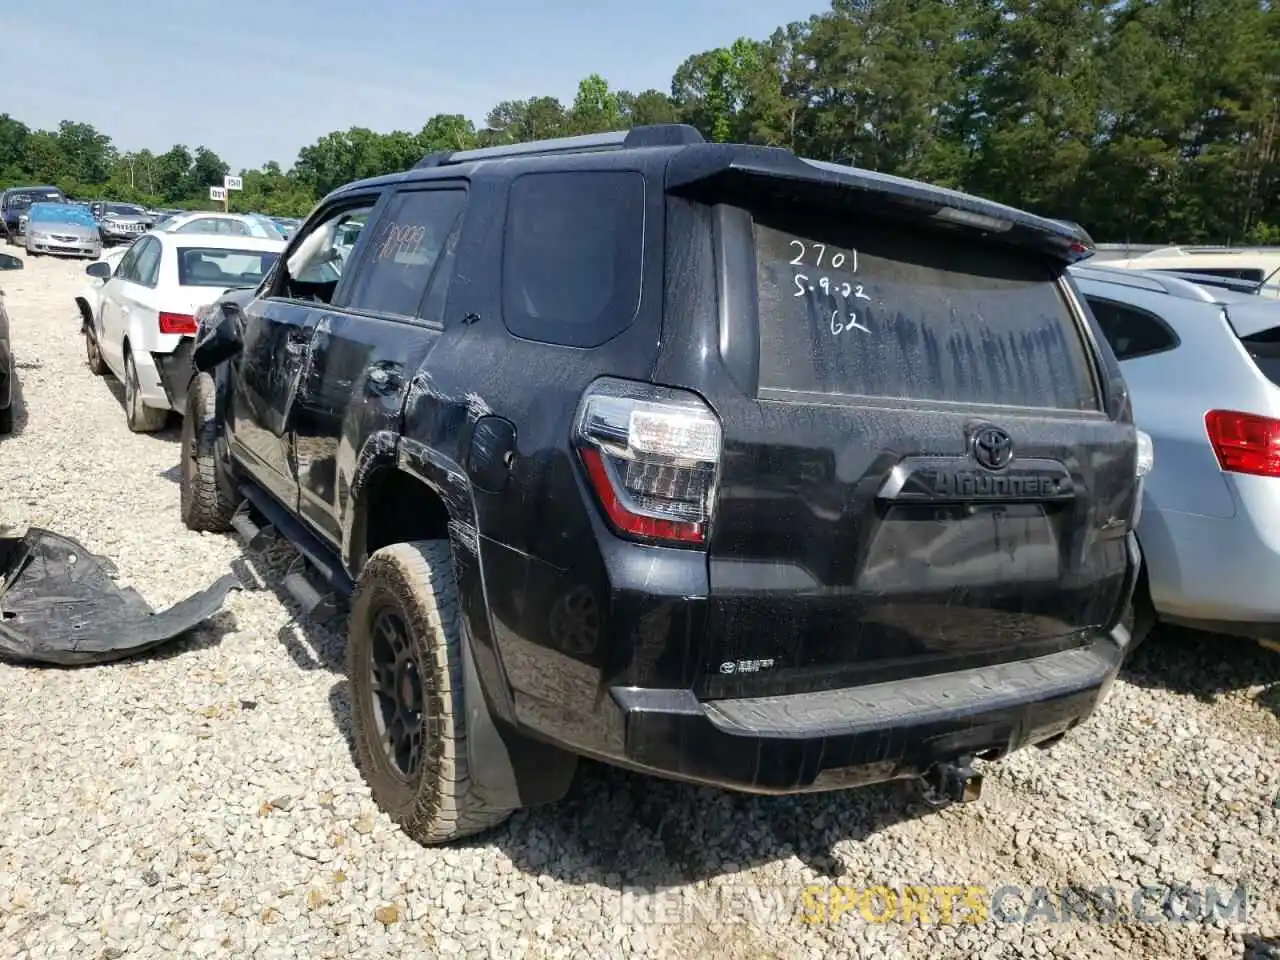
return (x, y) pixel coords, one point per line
(1202, 364)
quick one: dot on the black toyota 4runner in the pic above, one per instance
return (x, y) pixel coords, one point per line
(701, 459)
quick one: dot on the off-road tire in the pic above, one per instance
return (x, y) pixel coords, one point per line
(93, 353)
(206, 505)
(139, 417)
(6, 420)
(416, 580)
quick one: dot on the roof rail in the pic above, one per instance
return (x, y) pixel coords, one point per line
(1162, 281)
(654, 135)
(1227, 283)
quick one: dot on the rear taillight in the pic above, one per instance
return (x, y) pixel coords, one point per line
(177, 323)
(1245, 442)
(652, 458)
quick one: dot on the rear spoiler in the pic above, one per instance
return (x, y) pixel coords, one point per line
(1249, 318)
(743, 176)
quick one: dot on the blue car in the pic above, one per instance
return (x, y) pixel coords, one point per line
(65, 228)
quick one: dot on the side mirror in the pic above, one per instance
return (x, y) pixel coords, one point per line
(100, 270)
(10, 262)
(219, 338)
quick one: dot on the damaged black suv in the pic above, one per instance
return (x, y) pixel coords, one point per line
(702, 459)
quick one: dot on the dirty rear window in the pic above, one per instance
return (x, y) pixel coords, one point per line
(871, 310)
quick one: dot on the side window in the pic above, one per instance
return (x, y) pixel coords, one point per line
(147, 269)
(1130, 331)
(314, 264)
(572, 256)
(125, 267)
(399, 261)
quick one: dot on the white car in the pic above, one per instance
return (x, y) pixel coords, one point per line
(225, 224)
(1260, 265)
(138, 313)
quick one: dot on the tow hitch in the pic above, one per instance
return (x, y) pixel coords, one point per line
(953, 781)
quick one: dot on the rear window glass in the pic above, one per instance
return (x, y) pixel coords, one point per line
(211, 267)
(882, 311)
(572, 257)
(1265, 349)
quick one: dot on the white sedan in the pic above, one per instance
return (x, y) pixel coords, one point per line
(224, 224)
(138, 312)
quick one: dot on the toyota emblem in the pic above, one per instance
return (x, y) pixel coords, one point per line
(992, 448)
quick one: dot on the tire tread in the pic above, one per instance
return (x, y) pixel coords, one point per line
(205, 506)
(420, 576)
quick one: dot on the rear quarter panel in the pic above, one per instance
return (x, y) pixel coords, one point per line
(1171, 391)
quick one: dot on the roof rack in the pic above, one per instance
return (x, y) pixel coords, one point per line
(654, 135)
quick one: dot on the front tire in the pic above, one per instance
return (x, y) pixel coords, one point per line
(6, 420)
(206, 506)
(139, 417)
(93, 353)
(404, 663)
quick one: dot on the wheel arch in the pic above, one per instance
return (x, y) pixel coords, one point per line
(403, 490)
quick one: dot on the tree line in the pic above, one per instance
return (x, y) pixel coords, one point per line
(1145, 120)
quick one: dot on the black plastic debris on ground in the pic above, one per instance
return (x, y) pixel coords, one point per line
(59, 604)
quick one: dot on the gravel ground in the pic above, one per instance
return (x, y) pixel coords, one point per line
(204, 801)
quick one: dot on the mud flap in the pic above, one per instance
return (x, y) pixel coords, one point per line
(60, 605)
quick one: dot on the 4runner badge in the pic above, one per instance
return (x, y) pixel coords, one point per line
(745, 666)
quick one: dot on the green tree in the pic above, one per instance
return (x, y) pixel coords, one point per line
(595, 108)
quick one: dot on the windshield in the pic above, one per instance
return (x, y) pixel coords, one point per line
(124, 210)
(60, 213)
(26, 198)
(213, 267)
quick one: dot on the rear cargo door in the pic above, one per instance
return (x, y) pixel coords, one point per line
(923, 477)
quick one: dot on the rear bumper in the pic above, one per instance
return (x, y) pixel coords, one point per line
(175, 371)
(868, 734)
(1214, 572)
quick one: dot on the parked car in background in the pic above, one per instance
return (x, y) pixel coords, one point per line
(1203, 368)
(138, 317)
(7, 375)
(867, 520)
(1259, 265)
(288, 225)
(62, 228)
(16, 201)
(164, 216)
(121, 222)
(227, 224)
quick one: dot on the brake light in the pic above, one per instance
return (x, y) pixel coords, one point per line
(652, 459)
(177, 323)
(1245, 442)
